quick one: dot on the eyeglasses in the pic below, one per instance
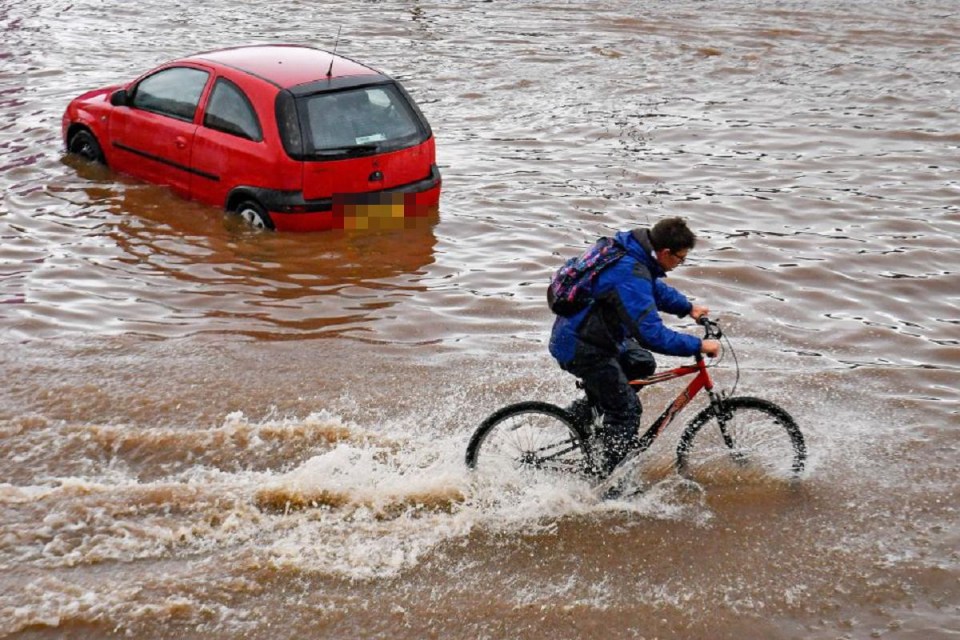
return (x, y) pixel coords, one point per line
(681, 258)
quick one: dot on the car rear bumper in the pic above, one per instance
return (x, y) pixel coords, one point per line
(289, 210)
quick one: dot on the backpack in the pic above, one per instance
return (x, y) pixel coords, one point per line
(571, 289)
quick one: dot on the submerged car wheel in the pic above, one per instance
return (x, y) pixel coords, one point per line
(84, 144)
(254, 215)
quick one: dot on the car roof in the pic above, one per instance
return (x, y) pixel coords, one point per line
(285, 65)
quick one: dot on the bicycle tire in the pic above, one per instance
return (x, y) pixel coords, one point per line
(537, 439)
(763, 440)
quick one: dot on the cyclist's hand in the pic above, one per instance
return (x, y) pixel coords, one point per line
(698, 311)
(710, 347)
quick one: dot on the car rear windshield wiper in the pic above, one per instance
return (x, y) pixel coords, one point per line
(354, 150)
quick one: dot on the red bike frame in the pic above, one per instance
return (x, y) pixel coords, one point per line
(701, 380)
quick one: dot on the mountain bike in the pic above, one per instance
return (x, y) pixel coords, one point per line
(732, 434)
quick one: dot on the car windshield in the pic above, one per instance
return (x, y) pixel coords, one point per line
(358, 121)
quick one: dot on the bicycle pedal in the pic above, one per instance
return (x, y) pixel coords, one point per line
(613, 486)
(621, 490)
(614, 492)
(632, 494)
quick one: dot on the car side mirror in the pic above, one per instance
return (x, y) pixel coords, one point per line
(119, 98)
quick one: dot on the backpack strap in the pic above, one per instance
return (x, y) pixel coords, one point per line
(642, 271)
(619, 313)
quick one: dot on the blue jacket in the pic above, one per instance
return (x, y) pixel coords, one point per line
(628, 295)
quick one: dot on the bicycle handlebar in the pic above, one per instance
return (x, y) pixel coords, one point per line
(711, 329)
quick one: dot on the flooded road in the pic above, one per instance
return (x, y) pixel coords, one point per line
(208, 430)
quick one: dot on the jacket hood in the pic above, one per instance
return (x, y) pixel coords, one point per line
(638, 245)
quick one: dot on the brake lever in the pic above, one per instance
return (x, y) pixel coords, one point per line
(712, 329)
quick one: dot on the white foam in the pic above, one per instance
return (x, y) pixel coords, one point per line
(366, 505)
(55, 602)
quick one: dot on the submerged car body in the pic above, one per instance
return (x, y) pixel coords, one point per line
(289, 137)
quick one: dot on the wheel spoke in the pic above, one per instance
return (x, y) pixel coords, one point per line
(756, 441)
(529, 442)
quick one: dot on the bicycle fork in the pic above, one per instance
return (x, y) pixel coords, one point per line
(724, 415)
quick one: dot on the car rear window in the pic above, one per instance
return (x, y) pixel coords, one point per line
(358, 121)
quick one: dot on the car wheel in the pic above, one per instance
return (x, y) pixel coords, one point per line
(84, 144)
(254, 215)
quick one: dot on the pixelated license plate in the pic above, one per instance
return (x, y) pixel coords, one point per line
(374, 211)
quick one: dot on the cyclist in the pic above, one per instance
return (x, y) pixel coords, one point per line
(609, 342)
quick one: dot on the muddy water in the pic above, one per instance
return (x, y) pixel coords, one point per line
(206, 430)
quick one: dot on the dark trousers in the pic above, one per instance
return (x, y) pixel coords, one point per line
(606, 380)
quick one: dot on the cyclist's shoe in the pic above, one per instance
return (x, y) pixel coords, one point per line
(581, 411)
(613, 453)
(602, 461)
(621, 483)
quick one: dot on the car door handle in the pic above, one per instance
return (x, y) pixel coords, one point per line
(181, 142)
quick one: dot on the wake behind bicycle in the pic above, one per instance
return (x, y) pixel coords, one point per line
(737, 435)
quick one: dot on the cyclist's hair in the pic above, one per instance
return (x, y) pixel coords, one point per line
(672, 234)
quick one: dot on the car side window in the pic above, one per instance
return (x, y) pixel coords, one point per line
(230, 111)
(173, 92)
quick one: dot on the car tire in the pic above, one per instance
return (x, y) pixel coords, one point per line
(254, 214)
(84, 144)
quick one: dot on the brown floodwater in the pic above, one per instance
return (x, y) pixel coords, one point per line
(209, 431)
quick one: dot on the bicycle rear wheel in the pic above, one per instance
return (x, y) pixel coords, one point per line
(534, 440)
(749, 439)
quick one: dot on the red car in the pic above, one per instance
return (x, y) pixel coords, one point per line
(288, 137)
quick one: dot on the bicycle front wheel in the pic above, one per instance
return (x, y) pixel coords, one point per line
(742, 438)
(536, 440)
